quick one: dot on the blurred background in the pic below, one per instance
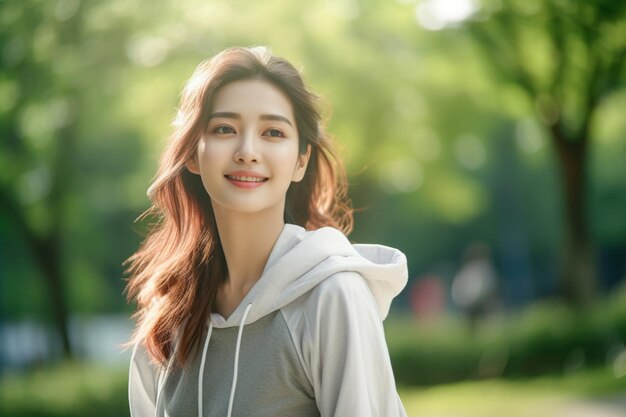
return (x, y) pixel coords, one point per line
(486, 139)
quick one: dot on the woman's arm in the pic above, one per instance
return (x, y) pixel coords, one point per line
(142, 383)
(348, 358)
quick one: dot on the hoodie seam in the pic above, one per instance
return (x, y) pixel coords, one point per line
(298, 352)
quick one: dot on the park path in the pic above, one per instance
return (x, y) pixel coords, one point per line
(610, 406)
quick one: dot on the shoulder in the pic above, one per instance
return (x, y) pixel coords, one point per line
(342, 285)
(339, 291)
(344, 295)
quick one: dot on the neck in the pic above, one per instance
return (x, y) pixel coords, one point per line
(247, 240)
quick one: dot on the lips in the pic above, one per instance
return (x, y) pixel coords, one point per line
(246, 179)
(246, 176)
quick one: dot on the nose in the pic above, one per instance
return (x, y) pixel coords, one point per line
(247, 151)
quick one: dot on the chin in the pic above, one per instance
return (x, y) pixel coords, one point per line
(242, 207)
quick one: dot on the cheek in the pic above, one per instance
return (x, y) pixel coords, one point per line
(287, 155)
(209, 153)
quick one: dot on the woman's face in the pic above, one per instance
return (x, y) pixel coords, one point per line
(248, 156)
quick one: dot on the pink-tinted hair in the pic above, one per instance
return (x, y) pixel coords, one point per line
(175, 274)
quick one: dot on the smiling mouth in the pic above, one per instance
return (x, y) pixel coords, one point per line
(245, 179)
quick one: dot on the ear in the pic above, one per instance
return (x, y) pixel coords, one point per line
(301, 164)
(192, 165)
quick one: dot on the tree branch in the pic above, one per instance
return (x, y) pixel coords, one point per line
(495, 53)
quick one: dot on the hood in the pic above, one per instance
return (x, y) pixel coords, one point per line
(301, 259)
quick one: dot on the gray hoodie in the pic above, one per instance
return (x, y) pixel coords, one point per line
(307, 340)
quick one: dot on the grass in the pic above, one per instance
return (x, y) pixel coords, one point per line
(536, 397)
(68, 389)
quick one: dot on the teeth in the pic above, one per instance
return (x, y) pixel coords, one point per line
(246, 179)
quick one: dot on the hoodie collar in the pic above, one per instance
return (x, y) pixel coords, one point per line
(301, 259)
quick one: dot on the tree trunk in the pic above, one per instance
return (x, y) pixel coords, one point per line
(577, 281)
(49, 254)
(46, 253)
(51, 248)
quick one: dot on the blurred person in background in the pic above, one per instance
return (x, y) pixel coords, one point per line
(475, 285)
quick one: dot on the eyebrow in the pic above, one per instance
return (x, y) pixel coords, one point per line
(232, 115)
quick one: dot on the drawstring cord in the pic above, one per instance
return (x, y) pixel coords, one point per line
(202, 362)
(232, 390)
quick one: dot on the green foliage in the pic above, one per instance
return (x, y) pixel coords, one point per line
(547, 338)
(92, 86)
(68, 390)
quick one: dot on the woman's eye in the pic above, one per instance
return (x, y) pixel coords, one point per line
(223, 130)
(274, 133)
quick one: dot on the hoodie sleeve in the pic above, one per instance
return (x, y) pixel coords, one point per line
(348, 360)
(142, 383)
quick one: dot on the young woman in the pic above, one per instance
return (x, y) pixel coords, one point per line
(251, 300)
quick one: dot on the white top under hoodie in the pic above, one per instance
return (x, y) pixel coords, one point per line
(307, 340)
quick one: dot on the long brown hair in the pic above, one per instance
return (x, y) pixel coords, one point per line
(175, 274)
